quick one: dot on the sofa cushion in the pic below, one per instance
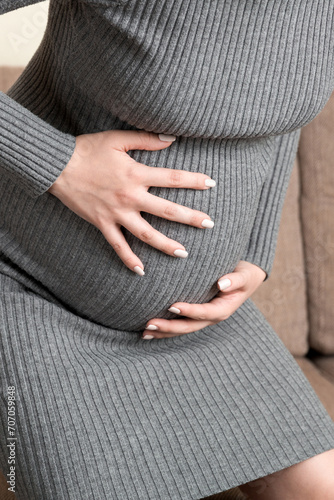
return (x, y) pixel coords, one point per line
(326, 366)
(316, 155)
(321, 384)
(4, 493)
(282, 297)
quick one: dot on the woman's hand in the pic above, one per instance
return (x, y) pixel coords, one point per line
(106, 187)
(239, 285)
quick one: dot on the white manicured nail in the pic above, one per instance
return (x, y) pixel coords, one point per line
(224, 283)
(180, 253)
(174, 310)
(210, 182)
(166, 137)
(151, 327)
(138, 270)
(148, 337)
(207, 223)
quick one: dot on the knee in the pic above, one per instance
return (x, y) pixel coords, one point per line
(323, 488)
(308, 480)
(315, 490)
(318, 476)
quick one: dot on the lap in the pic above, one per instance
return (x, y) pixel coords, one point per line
(93, 401)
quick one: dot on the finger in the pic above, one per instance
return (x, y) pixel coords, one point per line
(127, 140)
(167, 177)
(218, 309)
(232, 281)
(210, 311)
(175, 212)
(223, 307)
(115, 237)
(175, 327)
(140, 228)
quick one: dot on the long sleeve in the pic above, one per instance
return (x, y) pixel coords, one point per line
(32, 152)
(262, 244)
(8, 5)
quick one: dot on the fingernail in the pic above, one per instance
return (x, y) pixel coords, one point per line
(138, 270)
(207, 223)
(174, 310)
(151, 327)
(225, 283)
(148, 337)
(180, 253)
(166, 137)
(210, 182)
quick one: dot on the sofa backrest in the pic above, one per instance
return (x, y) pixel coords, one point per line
(316, 156)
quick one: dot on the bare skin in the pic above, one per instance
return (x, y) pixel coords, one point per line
(312, 479)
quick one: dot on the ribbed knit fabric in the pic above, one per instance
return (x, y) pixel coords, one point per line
(102, 413)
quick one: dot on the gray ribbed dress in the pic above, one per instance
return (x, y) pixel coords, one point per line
(101, 413)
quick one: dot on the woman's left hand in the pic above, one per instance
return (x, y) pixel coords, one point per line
(245, 279)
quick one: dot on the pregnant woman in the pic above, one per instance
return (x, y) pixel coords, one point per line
(135, 376)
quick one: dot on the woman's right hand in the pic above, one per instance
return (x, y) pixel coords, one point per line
(105, 186)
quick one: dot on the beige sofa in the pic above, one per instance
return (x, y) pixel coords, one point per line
(298, 298)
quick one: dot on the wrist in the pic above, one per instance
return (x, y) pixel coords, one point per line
(59, 185)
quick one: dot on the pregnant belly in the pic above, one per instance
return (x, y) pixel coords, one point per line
(73, 260)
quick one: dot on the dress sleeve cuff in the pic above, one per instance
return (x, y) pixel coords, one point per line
(32, 152)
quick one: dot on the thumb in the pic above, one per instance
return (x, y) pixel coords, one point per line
(140, 139)
(231, 281)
